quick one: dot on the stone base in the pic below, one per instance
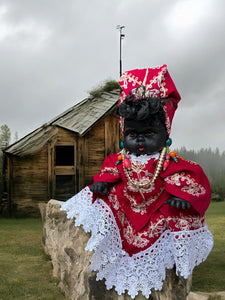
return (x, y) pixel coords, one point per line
(65, 244)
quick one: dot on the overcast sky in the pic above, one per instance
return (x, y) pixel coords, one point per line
(52, 52)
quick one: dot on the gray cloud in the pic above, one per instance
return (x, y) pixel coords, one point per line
(53, 52)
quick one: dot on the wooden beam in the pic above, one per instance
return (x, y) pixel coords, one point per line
(82, 159)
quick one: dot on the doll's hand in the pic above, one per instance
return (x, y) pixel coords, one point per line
(101, 187)
(178, 202)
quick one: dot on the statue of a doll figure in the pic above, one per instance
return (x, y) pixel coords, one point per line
(145, 209)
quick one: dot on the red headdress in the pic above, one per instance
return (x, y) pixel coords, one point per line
(151, 82)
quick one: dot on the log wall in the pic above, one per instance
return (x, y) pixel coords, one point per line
(28, 177)
(99, 142)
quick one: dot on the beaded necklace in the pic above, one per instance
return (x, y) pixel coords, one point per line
(124, 157)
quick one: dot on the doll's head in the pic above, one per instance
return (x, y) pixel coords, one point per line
(144, 125)
(149, 100)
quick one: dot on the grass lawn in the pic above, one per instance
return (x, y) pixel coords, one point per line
(26, 272)
(210, 275)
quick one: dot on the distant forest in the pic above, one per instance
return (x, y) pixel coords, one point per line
(213, 163)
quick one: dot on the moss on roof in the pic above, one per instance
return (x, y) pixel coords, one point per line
(106, 86)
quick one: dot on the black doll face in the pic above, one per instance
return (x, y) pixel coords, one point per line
(142, 137)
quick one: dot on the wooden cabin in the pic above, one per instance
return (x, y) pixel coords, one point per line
(61, 157)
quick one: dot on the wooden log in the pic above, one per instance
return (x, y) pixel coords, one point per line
(65, 244)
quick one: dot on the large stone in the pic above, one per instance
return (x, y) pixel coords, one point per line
(206, 296)
(65, 244)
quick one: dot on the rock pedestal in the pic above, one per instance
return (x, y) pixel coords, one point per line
(65, 244)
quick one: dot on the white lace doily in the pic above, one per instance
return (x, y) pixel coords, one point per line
(142, 271)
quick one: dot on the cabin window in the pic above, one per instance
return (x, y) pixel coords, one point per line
(65, 187)
(64, 155)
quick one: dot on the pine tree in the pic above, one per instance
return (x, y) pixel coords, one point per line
(5, 136)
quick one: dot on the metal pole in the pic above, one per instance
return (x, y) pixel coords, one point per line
(120, 55)
(121, 37)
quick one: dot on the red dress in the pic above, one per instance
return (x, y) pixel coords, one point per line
(134, 234)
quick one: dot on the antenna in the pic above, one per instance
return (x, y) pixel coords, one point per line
(120, 28)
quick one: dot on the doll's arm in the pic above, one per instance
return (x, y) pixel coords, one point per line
(108, 176)
(187, 181)
(178, 202)
(101, 187)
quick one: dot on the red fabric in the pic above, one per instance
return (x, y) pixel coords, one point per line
(159, 84)
(141, 214)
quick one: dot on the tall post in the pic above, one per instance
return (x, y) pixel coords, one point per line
(120, 27)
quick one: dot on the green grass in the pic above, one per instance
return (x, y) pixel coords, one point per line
(25, 271)
(215, 297)
(210, 275)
